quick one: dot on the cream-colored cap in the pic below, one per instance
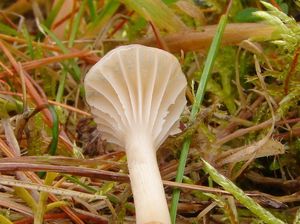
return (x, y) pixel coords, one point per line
(136, 89)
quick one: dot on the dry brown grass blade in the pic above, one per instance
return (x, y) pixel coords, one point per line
(244, 114)
(90, 58)
(96, 173)
(56, 216)
(36, 95)
(49, 60)
(19, 7)
(5, 149)
(291, 185)
(261, 197)
(243, 131)
(35, 179)
(269, 148)
(73, 109)
(66, 161)
(40, 101)
(234, 34)
(74, 170)
(8, 203)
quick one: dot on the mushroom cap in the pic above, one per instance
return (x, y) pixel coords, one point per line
(136, 90)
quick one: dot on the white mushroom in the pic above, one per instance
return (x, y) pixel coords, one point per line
(136, 95)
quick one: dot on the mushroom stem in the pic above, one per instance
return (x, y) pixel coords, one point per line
(147, 187)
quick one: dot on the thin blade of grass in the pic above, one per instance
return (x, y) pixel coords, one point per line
(28, 41)
(75, 25)
(7, 30)
(4, 220)
(80, 183)
(26, 197)
(76, 74)
(55, 131)
(42, 204)
(297, 217)
(239, 195)
(92, 9)
(103, 17)
(195, 109)
(53, 13)
(61, 86)
(51, 189)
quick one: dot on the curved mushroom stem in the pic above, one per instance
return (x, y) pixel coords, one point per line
(147, 187)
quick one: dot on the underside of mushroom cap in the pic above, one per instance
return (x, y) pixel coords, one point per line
(136, 89)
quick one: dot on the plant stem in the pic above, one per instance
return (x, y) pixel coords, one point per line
(147, 187)
(195, 109)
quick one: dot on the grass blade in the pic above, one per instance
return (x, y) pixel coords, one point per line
(75, 25)
(7, 30)
(92, 9)
(77, 73)
(5, 220)
(248, 202)
(53, 13)
(158, 12)
(195, 109)
(55, 131)
(28, 41)
(103, 18)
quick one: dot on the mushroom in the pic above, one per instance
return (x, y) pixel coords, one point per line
(137, 95)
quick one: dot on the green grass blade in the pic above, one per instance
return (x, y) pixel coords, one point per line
(80, 183)
(75, 25)
(76, 70)
(28, 42)
(61, 86)
(55, 39)
(195, 109)
(103, 17)
(239, 195)
(212, 54)
(179, 177)
(56, 204)
(53, 13)
(42, 203)
(26, 197)
(7, 30)
(92, 9)
(4, 220)
(158, 12)
(55, 130)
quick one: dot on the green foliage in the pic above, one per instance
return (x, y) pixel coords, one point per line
(4, 220)
(7, 30)
(157, 12)
(75, 25)
(287, 29)
(246, 15)
(248, 202)
(210, 60)
(287, 44)
(103, 17)
(36, 128)
(53, 13)
(136, 27)
(224, 67)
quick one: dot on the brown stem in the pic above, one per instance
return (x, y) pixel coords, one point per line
(233, 34)
(291, 71)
